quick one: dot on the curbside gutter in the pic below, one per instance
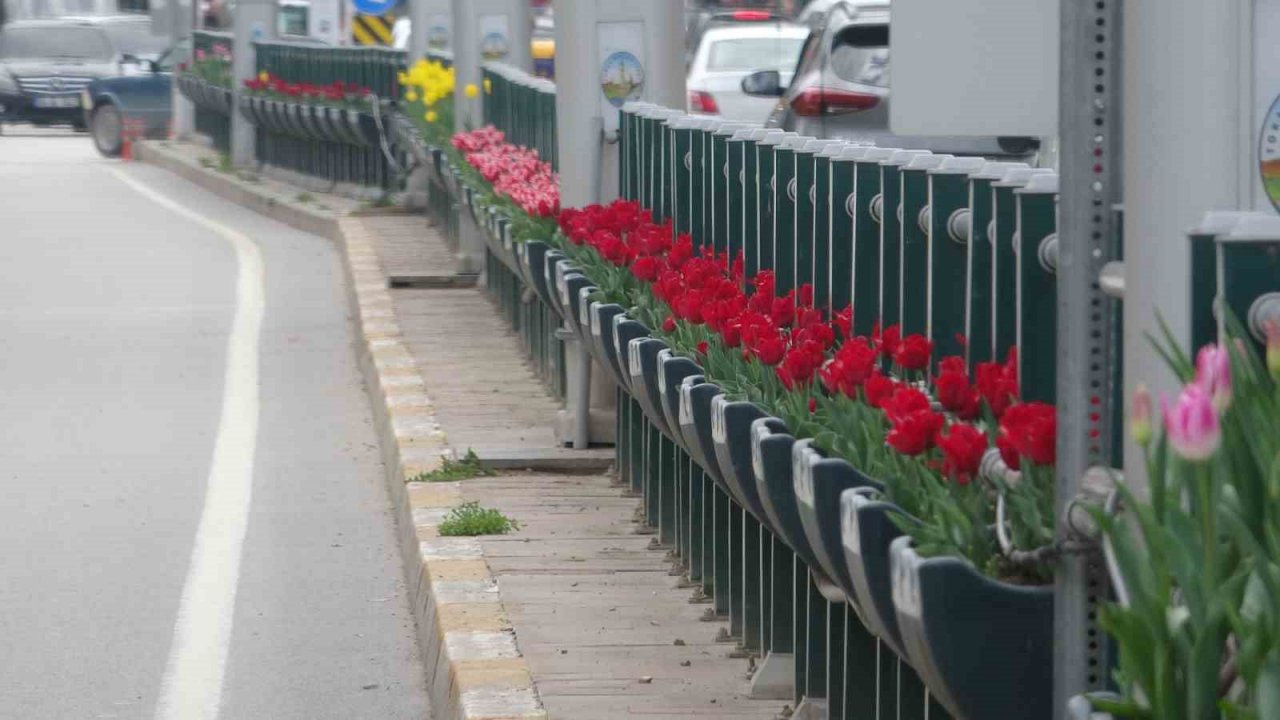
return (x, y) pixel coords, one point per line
(474, 669)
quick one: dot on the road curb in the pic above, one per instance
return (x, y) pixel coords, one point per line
(473, 666)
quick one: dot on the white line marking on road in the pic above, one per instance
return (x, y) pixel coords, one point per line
(193, 676)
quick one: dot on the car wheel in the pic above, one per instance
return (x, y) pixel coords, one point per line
(106, 127)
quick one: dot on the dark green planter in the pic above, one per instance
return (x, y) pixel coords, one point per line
(542, 260)
(771, 447)
(867, 530)
(948, 613)
(701, 398)
(672, 370)
(624, 331)
(818, 483)
(731, 434)
(602, 315)
(644, 379)
(688, 426)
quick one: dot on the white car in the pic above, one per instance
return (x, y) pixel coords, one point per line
(727, 54)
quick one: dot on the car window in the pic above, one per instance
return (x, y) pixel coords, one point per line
(809, 52)
(136, 39)
(777, 53)
(860, 54)
(70, 43)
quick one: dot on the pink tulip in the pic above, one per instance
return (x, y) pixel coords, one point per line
(1213, 373)
(1140, 420)
(1192, 424)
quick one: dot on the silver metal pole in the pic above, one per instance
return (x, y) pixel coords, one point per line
(1089, 171)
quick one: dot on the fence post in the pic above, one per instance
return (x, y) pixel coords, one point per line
(255, 22)
(485, 30)
(431, 27)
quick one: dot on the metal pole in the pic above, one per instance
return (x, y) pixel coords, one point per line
(1090, 131)
(254, 22)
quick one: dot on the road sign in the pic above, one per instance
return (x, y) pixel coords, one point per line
(373, 7)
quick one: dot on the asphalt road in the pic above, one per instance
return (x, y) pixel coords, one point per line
(133, 376)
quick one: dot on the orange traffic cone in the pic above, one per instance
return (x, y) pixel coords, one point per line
(126, 147)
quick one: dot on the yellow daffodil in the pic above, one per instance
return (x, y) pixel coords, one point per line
(488, 87)
(411, 96)
(264, 76)
(471, 90)
(431, 116)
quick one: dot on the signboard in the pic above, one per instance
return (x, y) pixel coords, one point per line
(373, 7)
(438, 31)
(621, 62)
(495, 37)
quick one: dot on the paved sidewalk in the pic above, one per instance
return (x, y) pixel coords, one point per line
(598, 617)
(605, 630)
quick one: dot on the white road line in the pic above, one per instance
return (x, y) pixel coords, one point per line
(193, 676)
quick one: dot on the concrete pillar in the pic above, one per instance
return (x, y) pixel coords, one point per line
(255, 20)
(432, 27)
(621, 37)
(1181, 160)
(486, 30)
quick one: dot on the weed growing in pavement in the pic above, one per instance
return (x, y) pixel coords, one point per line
(224, 164)
(206, 163)
(471, 519)
(305, 197)
(467, 467)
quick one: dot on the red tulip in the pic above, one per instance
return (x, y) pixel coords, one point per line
(913, 353)
(962, 449)
(915, 432)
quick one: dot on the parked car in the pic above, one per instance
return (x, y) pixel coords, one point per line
(699, 19)
(841, 89)
(146, 98)
(45, 64)
(728, 54)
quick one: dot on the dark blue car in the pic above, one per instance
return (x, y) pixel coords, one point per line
(141, 103)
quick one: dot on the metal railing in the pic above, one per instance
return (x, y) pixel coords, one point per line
(523, 106)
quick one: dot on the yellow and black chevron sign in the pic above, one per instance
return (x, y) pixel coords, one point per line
(372, 29)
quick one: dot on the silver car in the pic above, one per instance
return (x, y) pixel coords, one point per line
(729, 53)
(840, 88)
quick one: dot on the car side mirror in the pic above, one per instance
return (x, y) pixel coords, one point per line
(763, 83)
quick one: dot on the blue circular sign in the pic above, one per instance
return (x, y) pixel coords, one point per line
(374, 7)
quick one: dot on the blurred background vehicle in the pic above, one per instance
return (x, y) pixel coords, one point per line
(543, 44)
(840, 88)
(702, 15)
(45, 64)
(145, 97)
(730, 51)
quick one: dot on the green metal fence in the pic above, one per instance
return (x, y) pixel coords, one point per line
(959, 249)
(523, 107)
(333, 142)
(212, 115)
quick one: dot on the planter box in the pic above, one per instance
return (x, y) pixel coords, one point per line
(672, 370)
(625, 330)
(700, 398)
(602, 315)
(948, 611)
(819, 482)
(643, 356)
(867, 531)
(771, 447)
(731, 433)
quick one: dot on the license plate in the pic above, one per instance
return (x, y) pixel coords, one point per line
(58, 101)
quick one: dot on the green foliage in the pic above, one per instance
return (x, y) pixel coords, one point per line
(469, 466)
(1199, 637)
(470, 519)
